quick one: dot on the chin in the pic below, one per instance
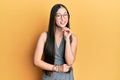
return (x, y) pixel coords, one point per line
(62, 26)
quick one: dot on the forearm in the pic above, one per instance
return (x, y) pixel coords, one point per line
(43, 65)
(46, 66)
(69, 57)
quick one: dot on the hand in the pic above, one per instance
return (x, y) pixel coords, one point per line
(64, 68)
(67, 33)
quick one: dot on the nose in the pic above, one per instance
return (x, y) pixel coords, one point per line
(62, 17)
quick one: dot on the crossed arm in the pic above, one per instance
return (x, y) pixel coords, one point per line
(70, 53)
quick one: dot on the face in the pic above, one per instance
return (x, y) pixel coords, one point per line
(61, 17)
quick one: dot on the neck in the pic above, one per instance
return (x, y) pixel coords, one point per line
(58, 32)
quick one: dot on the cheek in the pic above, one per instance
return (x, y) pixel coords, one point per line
(57, 21)
(67, 20)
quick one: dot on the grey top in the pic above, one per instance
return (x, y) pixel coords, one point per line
(59, 60)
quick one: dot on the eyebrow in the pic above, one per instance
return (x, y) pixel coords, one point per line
(60, 13)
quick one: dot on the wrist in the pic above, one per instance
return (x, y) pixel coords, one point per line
(67, 40)
(60, 69)
(55, 68)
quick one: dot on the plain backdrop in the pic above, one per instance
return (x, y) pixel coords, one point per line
(96, 23)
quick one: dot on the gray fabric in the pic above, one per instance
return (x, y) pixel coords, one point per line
(59, 60)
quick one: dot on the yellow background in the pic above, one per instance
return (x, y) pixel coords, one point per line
(95, 22)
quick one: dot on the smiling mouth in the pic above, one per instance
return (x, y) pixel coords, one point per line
(62, 23)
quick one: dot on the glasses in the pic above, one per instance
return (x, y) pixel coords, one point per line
(59, 16)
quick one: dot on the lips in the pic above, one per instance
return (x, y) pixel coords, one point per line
(62, 23)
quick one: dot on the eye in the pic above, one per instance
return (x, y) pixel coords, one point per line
(65, 15)
(58, 15)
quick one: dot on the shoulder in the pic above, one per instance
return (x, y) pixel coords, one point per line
(74, 37)
(43, 36)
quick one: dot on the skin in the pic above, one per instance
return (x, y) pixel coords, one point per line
(60, 32)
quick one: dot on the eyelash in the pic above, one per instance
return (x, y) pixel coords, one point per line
(59, 15)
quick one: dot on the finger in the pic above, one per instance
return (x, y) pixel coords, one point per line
(65, 29)
(66, 69)
(70, 31)
(69, 34)
(67, 65)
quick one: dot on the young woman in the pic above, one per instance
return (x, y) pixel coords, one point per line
(58, 45)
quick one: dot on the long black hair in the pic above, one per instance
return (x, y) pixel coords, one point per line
(49, 49)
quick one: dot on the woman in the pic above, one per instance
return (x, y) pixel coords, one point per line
(58, 45)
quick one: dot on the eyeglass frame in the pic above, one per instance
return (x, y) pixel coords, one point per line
(61, 15)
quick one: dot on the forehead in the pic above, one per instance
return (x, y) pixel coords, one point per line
(61, 10)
